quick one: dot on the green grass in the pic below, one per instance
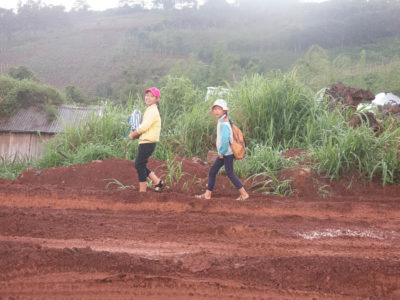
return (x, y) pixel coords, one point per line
(272, 109)
(11, 167)
(275, 112)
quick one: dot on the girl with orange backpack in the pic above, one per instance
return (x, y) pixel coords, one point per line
(225, 153)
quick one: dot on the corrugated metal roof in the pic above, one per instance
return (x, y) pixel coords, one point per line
(34, 119)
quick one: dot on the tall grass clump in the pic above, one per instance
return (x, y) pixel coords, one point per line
(273, 109)
(187, 127)
(261, 159)
(324, 121)
(98, 137)
(11, 167)
(178, 97)
(194, 133)
(358, 151)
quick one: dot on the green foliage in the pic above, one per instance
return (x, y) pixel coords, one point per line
(261, 159)
(98, 137)
(6, 85)
(358, 152)
(11, 167)
(317, 70)
(275, 112)
(221, 67)
(194, 132)
(25, 93)
(119, 184)
(186, 123)
(261, 166)
(175, 172)
(75, 95)
(389, 79)
(272, 109)
(269, 184)
(193, 69)
(178, 96)
(89, 152)
(21, 73)
(51, 112)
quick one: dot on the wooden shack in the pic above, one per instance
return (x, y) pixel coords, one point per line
(24, 134)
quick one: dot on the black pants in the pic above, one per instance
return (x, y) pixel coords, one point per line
(144, 152)
(219, 162)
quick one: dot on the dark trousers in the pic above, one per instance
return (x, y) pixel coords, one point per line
(144, 152)
(227, 161)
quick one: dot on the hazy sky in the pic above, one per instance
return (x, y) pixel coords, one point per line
(94, 4)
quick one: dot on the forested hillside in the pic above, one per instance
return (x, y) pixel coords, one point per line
(120, 51)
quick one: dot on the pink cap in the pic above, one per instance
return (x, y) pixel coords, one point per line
(154, 91)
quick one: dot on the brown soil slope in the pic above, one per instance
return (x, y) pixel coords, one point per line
(64, 235)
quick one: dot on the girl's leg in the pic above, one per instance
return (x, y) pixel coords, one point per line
(158, 183)
(142, 187)
(228, 162)
(144, 152)
(218, 163)
(243, 194)
(154, 178)
(212, 176)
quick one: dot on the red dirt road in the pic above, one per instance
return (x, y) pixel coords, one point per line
(64, 236)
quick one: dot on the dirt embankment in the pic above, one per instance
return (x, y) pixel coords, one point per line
(72, 232)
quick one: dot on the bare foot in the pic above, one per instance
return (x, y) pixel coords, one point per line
(203, 197)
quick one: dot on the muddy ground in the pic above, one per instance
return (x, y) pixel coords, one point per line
(76, 233)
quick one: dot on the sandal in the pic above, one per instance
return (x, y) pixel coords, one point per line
(240, 198)
(158, 187)
(202, 197)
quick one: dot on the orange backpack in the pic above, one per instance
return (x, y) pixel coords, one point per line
(238, 145)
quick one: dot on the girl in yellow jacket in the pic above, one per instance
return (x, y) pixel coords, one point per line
(149, 134)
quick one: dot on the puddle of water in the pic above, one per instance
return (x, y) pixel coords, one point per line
(333, 233)
(147, 250)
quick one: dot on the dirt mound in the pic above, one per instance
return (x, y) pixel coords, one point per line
(105, 174)
(348, 95)
(189, 175)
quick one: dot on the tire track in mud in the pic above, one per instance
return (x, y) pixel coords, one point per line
(379, 210)
(329, 275)
(124, 286)
(155, 246)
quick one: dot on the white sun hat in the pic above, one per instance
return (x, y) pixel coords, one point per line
(221, 103)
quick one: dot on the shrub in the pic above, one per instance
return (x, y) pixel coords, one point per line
(21, 73)
(26, 93)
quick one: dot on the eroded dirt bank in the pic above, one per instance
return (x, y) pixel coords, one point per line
(63, 235)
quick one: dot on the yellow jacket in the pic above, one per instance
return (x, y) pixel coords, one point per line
(151, 125)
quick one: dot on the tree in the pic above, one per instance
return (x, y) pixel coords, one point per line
(219, 5)
(131, 3)
(7, 22)
(73, 94)
(21, 73)
(221, 66)
(80, 5)
(165, 4)
(315, 68)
